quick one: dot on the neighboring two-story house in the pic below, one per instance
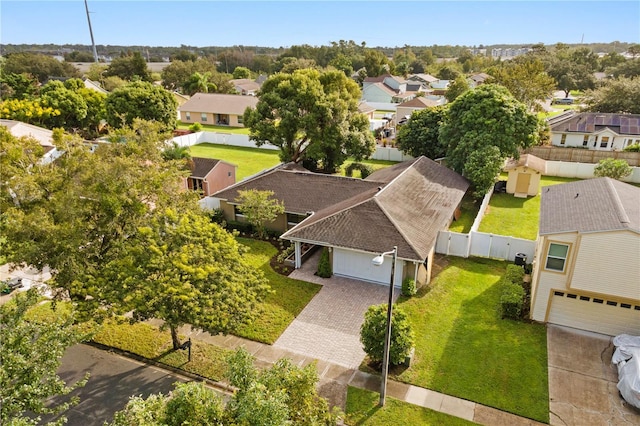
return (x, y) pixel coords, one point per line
(586, 274)
(597, 131)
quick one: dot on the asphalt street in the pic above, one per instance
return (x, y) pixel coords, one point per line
(113, 380)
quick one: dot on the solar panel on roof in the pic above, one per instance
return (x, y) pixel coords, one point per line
(625, 128)
(590, 128)
(615, 120)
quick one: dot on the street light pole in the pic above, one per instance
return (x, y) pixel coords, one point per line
(378, 260)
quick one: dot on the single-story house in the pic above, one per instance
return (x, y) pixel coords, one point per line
(586, 274)
(524, 175)
(216, 109)
(245, 86)
(209, 175)
(42, 135)
(597, 131)
(479, 78)
(366, 109)
(356, 219)
(405, 109)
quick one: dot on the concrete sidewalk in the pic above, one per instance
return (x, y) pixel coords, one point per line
(334, 380)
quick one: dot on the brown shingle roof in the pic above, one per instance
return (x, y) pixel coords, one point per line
(418, 201)
(300, 191)
(419, 102)
(593, 205)
(217, 103)
(202, 166)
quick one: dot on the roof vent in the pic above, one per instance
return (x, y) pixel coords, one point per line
(576, 195)
(379, 188)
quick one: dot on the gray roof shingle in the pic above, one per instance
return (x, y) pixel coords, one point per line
(300, 191)
(418, 200)
(593, 205)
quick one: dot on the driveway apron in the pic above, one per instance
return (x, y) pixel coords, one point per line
(328, 328)
(582, 380)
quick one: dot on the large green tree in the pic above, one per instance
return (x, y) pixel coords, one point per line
(140, 100)
(129, 66)
(31, 349)
(526, 79)
(198, 82)
(420, 135)
(86, 206)
(483, 117)
(616, 96)
(311, 115)
(183, 269)
(38, 65)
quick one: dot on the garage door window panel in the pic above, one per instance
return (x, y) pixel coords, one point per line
(557, 257)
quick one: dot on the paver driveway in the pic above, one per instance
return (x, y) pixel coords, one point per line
(328, 328)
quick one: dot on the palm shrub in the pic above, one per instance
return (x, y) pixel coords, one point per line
(324, 265)
(372, 334)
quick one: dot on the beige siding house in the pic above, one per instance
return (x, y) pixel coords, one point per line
(587, 270)
(524, 175)
(216, 109)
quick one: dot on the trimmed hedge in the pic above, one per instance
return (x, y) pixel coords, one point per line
(324, 265)
(513, 293)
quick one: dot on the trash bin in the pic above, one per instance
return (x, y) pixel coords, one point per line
(521, 259)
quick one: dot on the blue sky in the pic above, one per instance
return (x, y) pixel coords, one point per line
(268, 23)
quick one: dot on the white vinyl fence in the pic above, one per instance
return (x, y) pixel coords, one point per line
(484, 245)
(582, 170)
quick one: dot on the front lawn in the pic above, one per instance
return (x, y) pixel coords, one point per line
(516, 217)
(362, 409)
(464, 348)
(284, 304)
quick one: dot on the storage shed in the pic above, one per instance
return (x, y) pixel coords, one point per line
(524, 175)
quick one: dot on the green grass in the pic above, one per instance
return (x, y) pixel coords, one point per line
(284, 304)
(249, 160)
(253, 160)
(516, 217)
(464, 348)
(469, 211)
(219, 129)
(362, 409)
(374, 164)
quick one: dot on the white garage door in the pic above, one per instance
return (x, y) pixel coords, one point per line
(357, 265)
(606, 316)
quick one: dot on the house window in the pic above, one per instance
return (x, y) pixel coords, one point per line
(293, 219)
(240, 120)
(237, 213)
(604, 143)
(585, 141)
(563, 139)
(188, 115)
(196, 184)
(203, 116)
(556, 257)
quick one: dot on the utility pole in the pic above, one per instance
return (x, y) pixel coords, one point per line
(93, 43)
